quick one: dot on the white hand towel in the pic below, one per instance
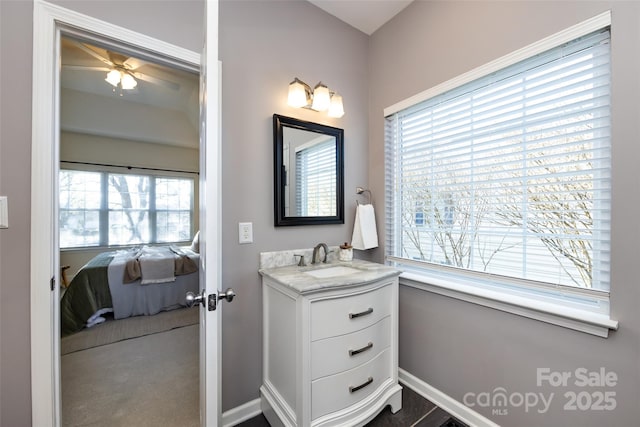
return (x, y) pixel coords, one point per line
(365, 235)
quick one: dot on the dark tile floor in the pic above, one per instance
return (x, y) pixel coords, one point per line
(416, 412)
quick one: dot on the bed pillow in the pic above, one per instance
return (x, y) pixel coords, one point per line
(195, 245)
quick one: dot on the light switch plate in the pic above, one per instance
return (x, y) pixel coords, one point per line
(4, 212)
(245, 232)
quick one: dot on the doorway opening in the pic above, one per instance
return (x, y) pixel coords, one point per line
(128, 204)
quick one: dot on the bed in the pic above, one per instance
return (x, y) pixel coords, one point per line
(130, 282)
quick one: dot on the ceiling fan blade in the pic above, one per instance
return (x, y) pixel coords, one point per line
(85, 68)
(92, 53)
(134, 63)
(155, 80)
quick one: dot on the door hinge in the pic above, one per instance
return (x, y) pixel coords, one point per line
(52, 282)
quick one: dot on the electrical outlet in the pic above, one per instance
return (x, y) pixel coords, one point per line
(245, 232)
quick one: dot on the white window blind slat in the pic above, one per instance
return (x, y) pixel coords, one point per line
(316, 180)
(509, 175)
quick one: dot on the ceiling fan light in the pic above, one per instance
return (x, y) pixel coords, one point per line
(321, 98)
(128, 82)
(113, 77)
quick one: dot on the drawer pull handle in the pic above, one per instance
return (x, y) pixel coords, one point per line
(353, 389)
(362, 313)
(360, 350)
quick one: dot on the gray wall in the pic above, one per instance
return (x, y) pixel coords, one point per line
(81, 147)
(459, 347)
(176, 22)
(15, 176)
(263, 46)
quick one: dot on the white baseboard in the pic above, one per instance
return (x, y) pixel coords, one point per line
(241, 413)
(444, 401)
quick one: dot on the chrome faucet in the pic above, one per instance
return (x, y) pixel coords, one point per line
(317, 249)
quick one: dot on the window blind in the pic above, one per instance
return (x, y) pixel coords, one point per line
(316, 179)
(510, 174)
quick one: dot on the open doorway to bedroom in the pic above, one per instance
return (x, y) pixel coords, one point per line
(128, 224)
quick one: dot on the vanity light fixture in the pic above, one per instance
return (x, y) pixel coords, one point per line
(336, 109)
(299, 94)
(126, 80)
(320, 99)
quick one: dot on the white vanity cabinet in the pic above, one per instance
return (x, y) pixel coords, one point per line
(330, 347)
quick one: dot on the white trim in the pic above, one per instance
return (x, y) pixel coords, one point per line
(482, 276)
(48, 22)
(274, 407)
(241, 413)
(597, 22)
(87, 25)
(444, 401)
(579, 320)
(44, 370)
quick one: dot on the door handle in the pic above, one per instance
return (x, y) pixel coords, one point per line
(229, 295)
(212, 300)
(193, 299)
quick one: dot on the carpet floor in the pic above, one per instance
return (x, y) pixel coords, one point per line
(132, 327)
(150, 380)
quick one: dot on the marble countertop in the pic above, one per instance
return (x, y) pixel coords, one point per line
(295, 277)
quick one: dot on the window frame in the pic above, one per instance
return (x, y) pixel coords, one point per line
(104, 209)
(585, 310)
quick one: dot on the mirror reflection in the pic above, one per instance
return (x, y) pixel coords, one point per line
(308, 172)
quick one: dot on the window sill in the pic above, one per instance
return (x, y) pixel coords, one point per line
(579, 320)
(119, 247)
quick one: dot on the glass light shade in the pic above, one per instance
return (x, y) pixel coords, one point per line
(321, 98)
(128, 82)
(113, 77)
(336, 109)
(297, 94)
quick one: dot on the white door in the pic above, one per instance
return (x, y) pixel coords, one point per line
(210, 228)
(49, 19)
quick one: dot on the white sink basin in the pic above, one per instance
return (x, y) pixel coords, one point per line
(338, 270)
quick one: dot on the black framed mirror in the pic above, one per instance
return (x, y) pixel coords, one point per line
(308, 169)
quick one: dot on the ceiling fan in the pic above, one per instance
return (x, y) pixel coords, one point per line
(121, 71)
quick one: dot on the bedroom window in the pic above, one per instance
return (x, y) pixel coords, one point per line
(504, 181)
(111, 209)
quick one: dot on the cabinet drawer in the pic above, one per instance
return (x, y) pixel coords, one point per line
(338, 316)
(334, 355)
(330, 394)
